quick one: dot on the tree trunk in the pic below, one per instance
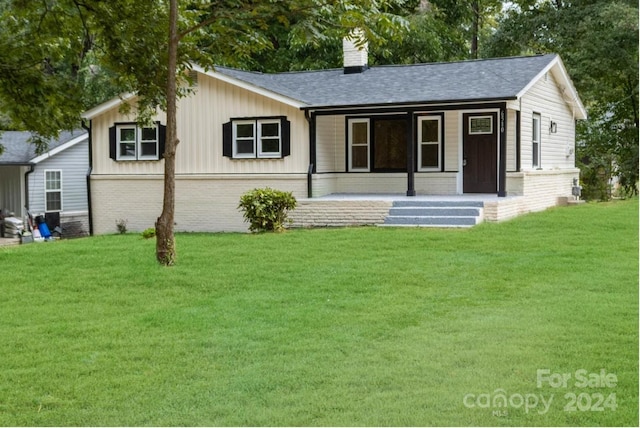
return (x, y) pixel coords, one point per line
(165, 239)
(475, 28)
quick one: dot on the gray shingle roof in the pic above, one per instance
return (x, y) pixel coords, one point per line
(478, 80)
(18, 151)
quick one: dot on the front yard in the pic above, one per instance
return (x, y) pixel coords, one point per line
(528, 322)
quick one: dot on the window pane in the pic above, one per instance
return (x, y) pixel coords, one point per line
(480, 125)
(270, 145)
(244, 146)
(149, 149)
(359, 133)
(390, 145)
(52, 181)
(430, 131)
(359, 154)
(54, 202)
(536, 128)
(127, 134)
(127, 149)
(270, 130)
(244, 130)
(149, 134)
(429, 158)
(536, 153)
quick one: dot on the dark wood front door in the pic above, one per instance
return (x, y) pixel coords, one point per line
(480, 153)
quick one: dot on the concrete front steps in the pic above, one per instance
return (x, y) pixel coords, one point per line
(435, 213)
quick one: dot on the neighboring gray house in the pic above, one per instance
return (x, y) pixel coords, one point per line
(53, 183)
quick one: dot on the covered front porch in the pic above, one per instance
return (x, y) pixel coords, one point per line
(395, 209)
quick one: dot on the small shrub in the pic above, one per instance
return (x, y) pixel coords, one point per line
(121, 225)
(149, 233)
(266, 209)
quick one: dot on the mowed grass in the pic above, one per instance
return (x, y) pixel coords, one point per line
(360, 326)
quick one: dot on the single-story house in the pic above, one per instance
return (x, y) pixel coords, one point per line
(52, 184)
(499, 131)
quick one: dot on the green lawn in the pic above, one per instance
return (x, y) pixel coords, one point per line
(361, 326)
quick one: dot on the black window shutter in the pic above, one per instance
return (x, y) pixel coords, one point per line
(162, 139)
(112, 142)
(227, 140)
(286, 137)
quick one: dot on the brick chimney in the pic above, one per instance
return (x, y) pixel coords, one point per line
(355, 57)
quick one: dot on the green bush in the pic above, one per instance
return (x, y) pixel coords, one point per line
(121, 225)
(266, 209)
(149, 233)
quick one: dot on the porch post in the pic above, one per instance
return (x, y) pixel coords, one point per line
(411, 132)
(502, 158)
(518, 142)
(311, 119)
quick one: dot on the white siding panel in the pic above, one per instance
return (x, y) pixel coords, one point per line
(200, 121)
(511, 140)
(451, 140)
(546, 98)
(12, 189)
(330, 143)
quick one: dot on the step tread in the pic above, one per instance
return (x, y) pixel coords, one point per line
(431, 211)
(435, 204)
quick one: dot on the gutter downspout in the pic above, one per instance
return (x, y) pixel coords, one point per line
(32, 167)
(88, 177)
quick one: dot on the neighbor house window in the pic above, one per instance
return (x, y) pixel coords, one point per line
(358, 137)
(535, 140)
(130, 142)
(53, 190)
(260, 138)
(429, 143)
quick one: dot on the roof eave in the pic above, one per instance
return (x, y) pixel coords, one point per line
(250, 87)
(60, 148)
(16, 163)
(579, 110)
(107, 105)
(412, 103)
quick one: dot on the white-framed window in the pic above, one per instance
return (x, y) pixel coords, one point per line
(429, 143)
(244, 139)
(480, 125)
(53, 190)
(259, 138)
(535, 140)
(359, 144)
(148, 143)
(137, 143)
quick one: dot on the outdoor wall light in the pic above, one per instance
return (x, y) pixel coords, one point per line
(553, 127)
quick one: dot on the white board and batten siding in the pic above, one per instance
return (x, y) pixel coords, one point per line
(546, 98)
(200, 119)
